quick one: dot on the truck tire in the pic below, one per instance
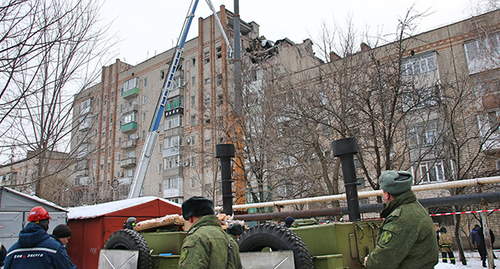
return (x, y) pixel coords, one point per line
(276, 237)
(131, 240)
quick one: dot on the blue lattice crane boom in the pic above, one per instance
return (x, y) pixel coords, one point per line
(153, 132)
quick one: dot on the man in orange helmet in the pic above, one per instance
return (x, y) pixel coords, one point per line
(35, 247)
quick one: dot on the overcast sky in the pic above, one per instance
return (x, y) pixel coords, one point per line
(147, 27)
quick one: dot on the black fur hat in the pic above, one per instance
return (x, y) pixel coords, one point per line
(197, 206)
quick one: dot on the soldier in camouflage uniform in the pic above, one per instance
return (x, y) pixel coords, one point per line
(206, 244)
(407, 238)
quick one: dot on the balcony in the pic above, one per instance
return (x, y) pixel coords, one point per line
(82, 173)
(129, 144)
(128, 162)
(169, 152)
(82, 181)
(85, 124)
(131, 93)
(125, 180)
(129, 127)
(132, 108)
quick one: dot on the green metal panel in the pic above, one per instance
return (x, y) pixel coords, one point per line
(165, 242)
(131, 92)
(165, 262)
(129, 126)
(328, 261)
(339, 245)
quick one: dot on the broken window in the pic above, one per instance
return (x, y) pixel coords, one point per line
(206, 57)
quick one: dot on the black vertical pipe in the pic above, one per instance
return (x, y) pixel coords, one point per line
(345, 149)
(225, 152)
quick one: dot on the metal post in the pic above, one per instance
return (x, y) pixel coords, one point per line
(225, 152)
(345, 149)
(238, 100)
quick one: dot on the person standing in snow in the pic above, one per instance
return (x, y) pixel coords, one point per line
(477, 238)
(446, 244)
(407, 238)
(35, 247)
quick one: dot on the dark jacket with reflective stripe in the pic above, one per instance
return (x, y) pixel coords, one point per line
(407, 238)
(206, 246)
(36, 249)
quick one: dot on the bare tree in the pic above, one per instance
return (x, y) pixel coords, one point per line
(50, 50)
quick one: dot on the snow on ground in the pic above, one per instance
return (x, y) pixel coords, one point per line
(473, 261)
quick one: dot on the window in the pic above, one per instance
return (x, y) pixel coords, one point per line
(177, 82)
(173, 103)
(493, 119)
(219, 79)
(160, 148)
(207, 101)
(421, 98)
(171, 183)
(173, 122)
(220, 99)
(145, 82)
(85, 106)
(193, 61)
(162, 74)
(206, 57)
(143, 134)
(131, 117)
(208, 142)
(432, 171)
(160, 168)
(143, 116)
(193, 120)
(193, 182)
(130, 173)
(419, 64)
(160, 189)
(193, 100)
(207, 81)
(483, 53)
(144, 99)
(193, 81)
(130, 84)
(423, 134)
(218, 51)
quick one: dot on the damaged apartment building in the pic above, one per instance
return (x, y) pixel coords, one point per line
(112, 118)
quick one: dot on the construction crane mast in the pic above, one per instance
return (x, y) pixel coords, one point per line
(153, 132)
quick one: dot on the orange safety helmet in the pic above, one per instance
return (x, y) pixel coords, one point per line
(38, 213)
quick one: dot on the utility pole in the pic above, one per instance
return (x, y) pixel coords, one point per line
(239, 173)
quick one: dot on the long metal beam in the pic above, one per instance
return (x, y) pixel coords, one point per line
(365, 194)
(491, 197)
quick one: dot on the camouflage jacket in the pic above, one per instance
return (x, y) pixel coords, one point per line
(407, 238)
(206, 246)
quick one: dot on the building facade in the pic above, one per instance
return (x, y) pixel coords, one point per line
(49, 176)
(112, 118)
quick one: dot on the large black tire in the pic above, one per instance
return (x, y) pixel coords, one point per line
(276, 237)
(131, 240)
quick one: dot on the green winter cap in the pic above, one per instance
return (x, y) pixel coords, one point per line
(395, 182)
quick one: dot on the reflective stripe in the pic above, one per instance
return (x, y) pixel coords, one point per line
(32, 249)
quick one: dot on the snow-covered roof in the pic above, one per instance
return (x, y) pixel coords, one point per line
(94, 211)
(36, 198)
